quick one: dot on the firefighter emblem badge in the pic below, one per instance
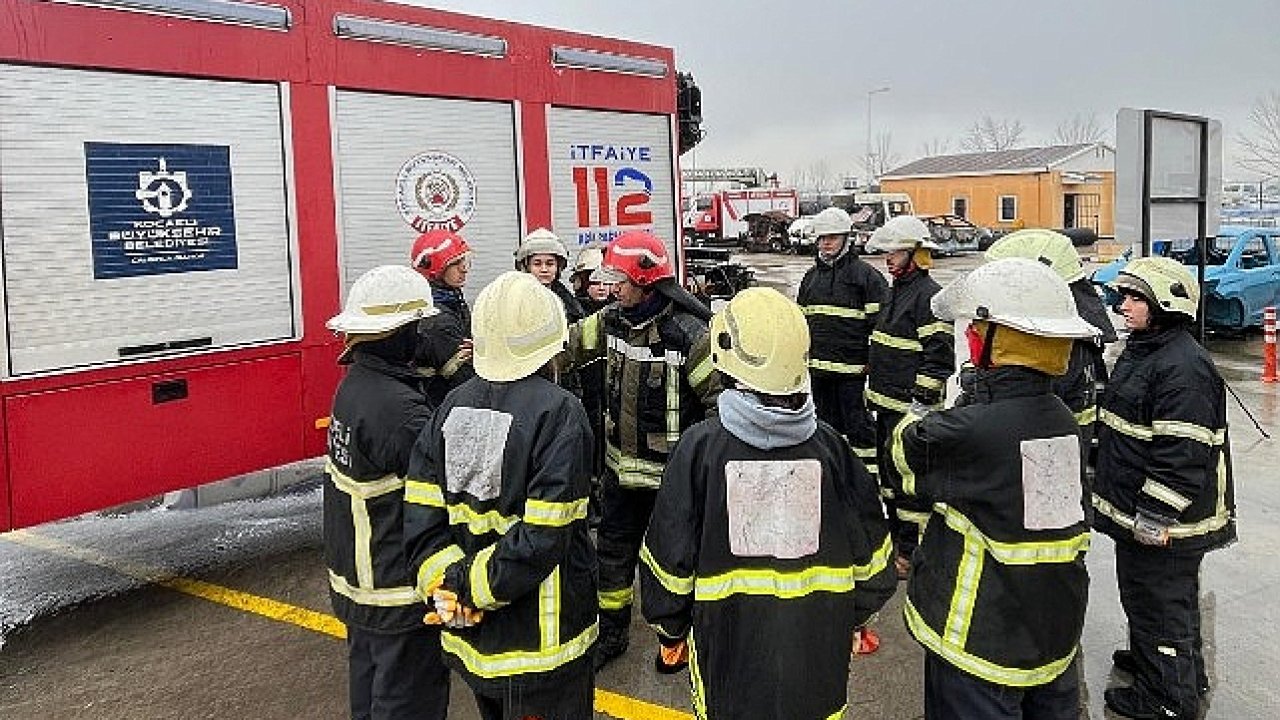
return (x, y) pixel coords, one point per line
(435, 190)
(163, 193)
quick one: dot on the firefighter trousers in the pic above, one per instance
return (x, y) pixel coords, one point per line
(1160, 593)
(953, 694)
(397, 676)
(840, 403)
(907, 515)
(571, 697)
(624, 519)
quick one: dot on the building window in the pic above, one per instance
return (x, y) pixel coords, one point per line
(960, 207)
(1008, 208)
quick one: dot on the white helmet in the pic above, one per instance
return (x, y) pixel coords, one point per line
(383, 299)
(1023, 294)
(541, 242)
(831, 221)
(1051, 248)
(590, 259)
(904, 232)
(517, 327)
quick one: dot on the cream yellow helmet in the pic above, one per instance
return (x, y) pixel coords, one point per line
(517, 327)
(761, 340)
(1051, 248)
(1166, 283)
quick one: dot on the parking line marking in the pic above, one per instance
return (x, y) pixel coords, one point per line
(613, 704)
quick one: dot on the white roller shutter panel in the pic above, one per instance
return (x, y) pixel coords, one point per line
(57, 314)
(377, 134)
(623, 150)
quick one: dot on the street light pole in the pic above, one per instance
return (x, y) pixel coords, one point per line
(870, 93)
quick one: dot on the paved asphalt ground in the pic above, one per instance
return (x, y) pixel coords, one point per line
(222, 612)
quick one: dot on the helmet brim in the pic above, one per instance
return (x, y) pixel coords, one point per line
(351, 323)
(608, 275)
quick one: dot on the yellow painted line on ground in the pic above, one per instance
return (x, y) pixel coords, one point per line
(609, 703)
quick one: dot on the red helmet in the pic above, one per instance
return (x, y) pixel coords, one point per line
(636, 256)
(435, 250)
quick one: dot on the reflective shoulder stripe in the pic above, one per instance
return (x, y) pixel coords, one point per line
(837, 367)
(1019, 553)
(362, 489)
(1166, 495)
(773, 583)
(674, 584)
(479, 578)
(936, 327)
(894, 341)
(878, 562)
(836, 311)
(1124, 427)
(517, 662)
(419, 492)
(931, 383)
(701, 372)
(590, 328)
(479, 523)
(1087, 416)
(974, 665)
(615, 599)
(432, 569)
(1191, 431)
(554, 514)
(900, 455)
(375, 597)
(886, 402)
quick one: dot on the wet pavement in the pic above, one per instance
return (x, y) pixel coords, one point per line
(93, 623)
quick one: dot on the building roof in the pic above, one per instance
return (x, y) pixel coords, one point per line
(1000, 162)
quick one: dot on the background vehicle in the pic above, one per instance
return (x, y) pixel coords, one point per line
(955, 234)
(870, 210)
(711, 274)
(722, 216)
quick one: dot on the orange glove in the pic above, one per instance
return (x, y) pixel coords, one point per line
(865, 641)
(672, 659)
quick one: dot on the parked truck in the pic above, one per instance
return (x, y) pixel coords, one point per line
(727, 215)
(188, 189)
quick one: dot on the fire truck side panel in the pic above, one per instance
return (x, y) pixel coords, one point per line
(121, 441)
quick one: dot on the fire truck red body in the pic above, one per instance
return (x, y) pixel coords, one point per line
(186, 191)
(723, 215)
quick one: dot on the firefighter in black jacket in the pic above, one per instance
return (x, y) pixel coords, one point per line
(1164, 490)
(1087, 371)
(998, 585)
(542, 255)
(394, 661)
(768, 544)
(444, 346)
(911, 356)
(841, 297)
(495, 516)
(659, 381)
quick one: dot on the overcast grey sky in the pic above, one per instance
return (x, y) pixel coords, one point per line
(784, 84)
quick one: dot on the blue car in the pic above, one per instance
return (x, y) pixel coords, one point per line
(1241, 274)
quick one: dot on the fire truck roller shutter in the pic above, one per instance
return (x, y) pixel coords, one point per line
(631, 154)
(404, 161)
(142, 215)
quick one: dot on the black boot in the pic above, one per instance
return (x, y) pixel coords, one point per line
(1137, 705)
(1124, 661)
(611, 644)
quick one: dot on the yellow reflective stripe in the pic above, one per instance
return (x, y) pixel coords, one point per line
(455, 362)
(549, 610)
(699, 690)
(965, 595)
(931, 383)
(918, 518)
(935, 328)
(590, 327)
(362, 537)
(363, 489)
(836, 367)
(878, 562)
(1191, 431)
(773, 583)
(615, 599)
(632, 472)
(871, 308)
(674, 584)
(423, 493)
(865, 452)
(701, 372)
(899, 453)
(1087, 416)
(886, 402)
(974, 665)
(376, 597)
(894, 341)
(839, 713)
(1120, 425)
(1166, 495)
(432, 569)
(554, 514)
(1020, 553)
(837, 311)
(517, 662)
(673, 403)
(479, 523)
(479, 578)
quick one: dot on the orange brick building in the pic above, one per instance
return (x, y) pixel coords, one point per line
(1061, 186)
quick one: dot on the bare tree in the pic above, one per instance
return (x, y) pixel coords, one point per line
(820, 176)
(935, 146)
(1260, 144)
(1080, 129)
(989, 134)
(882, 158)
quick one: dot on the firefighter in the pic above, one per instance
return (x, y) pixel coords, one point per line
(1087, 370)
(495, 516)
(840, 296)
(768, 544)
(444, 345)
(911, 356)
(998, 585)
(542, 255)
(592, 294)
(659, 381)
(1164, 490)
(394, 661)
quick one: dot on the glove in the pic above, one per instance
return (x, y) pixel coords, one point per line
(865, 641)
(672, 658)
(1151, 528)
(448, 611)
(925, 396)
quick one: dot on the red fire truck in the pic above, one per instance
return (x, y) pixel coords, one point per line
(727, 214)
(187, 187)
